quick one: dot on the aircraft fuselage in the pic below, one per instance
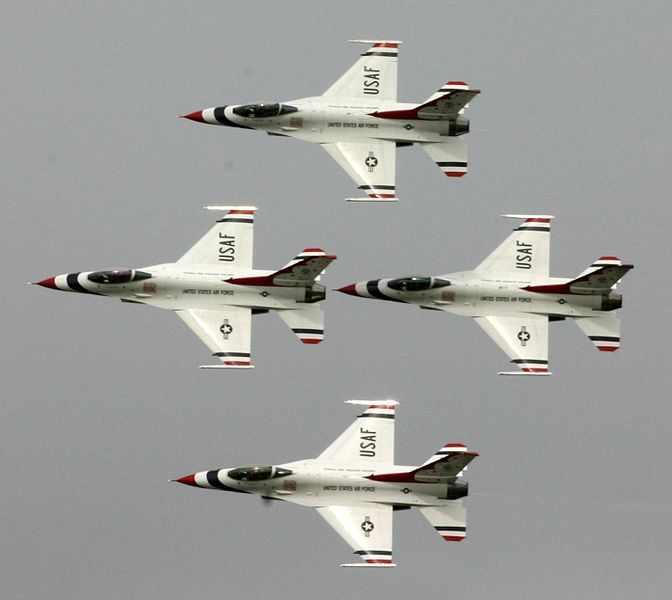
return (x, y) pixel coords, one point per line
(320, 121)
(469, 294)
(177, 287)
(316, 483)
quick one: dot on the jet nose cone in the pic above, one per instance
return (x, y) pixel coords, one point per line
(195, 116)
(187, 480)
(348, 289)
(50, 282)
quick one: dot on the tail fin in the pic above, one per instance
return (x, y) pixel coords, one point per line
(302, 270)
(598, 279)
(604, 332)
(444, 466)
(449, 521)
(446, 104)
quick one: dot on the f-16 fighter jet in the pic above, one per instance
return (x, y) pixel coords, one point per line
(355, 485)
(511, 296)
(215, 291)
(359, 122)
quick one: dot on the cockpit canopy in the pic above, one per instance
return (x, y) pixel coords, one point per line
(117, 276)
(263, 111)
(257, 473)
(417, 283)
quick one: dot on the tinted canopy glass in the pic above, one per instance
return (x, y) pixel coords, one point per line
(261, 110)
(416, 283)
(257, 473)
(117, 276)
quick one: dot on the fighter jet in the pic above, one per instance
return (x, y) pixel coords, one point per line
(359, 122)
(511, 296)
(215, 291)
(355, 485)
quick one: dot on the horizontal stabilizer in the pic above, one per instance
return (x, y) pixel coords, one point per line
(604, 332)
(301, 271)
(450, 521)
(450, 155)
(307, 323)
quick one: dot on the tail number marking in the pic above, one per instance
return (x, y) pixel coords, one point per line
(227, 247)
(523, 255)
(367, 444)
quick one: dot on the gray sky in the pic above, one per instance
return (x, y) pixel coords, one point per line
(102, 402)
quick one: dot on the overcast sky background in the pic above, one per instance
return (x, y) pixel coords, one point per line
(103, 403)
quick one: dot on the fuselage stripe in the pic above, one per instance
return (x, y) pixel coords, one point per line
(73, 283)
(373, 290)
(234, 354)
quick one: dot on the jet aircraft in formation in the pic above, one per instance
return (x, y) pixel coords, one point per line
(215, 291)
(359, 122)
(511, 296)
(356, 487)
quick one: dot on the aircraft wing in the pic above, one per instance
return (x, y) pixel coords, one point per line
(225, 331)
(229, 243)
(367, 441)
(526, 252)
(367, 528)
(524, 338)
(372, 165)
(373, 77)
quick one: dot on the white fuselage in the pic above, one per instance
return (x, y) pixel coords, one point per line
(470, 294)
(321, 120)
(317, 483)
(179, 287)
